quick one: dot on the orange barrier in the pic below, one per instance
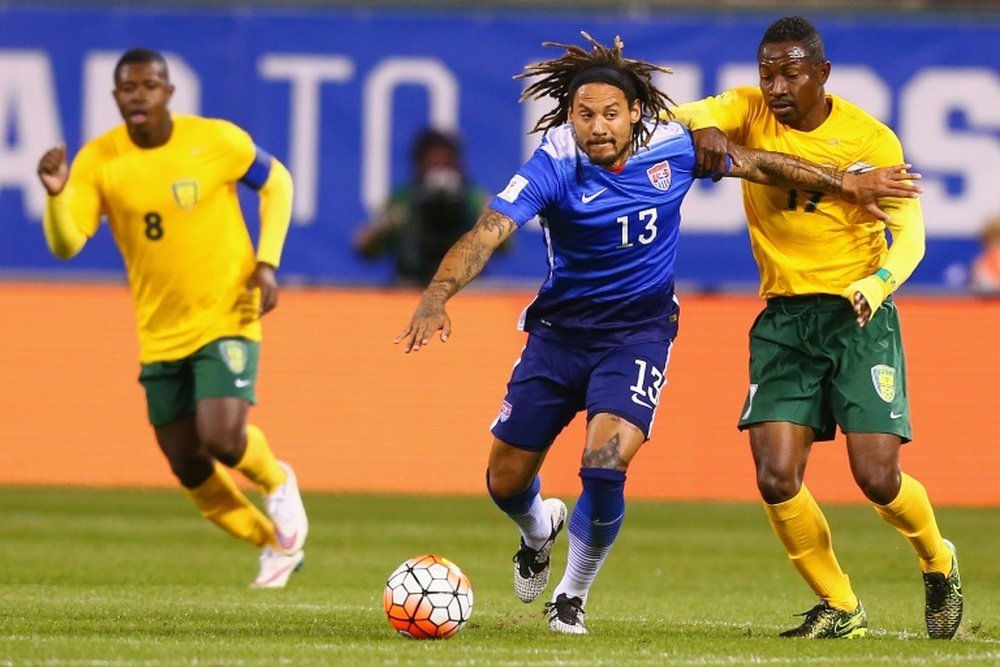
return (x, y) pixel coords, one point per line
(352, 412)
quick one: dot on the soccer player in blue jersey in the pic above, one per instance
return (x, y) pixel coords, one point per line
(608, 182)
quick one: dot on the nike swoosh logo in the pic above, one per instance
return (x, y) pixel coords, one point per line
(586, 199)
(608, 523)
(639, 401)
(241, 383)
(840, 628)
(277, 575)
(893, 415)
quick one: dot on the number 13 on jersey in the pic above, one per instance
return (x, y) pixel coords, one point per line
(646, 221)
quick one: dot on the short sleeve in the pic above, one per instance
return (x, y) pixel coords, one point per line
(535, 185)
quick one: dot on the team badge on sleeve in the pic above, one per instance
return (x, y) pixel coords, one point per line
(234, 353)
(513, 188)
(186, 194)
(659, 175)
(884, 379)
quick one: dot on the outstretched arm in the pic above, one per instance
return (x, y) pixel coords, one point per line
(790, 171)
(461, 264)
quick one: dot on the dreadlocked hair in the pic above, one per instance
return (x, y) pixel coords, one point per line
(556, 75)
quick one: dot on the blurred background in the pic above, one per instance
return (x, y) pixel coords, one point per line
(338, 91)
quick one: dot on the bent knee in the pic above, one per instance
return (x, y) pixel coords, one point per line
(226, 442)
(879, 486)
(507, 484)
(192, 471)
(777, 486)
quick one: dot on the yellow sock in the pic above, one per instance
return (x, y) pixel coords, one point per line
(802, 529)
(225, 505)
(912, 515)
(258, 462)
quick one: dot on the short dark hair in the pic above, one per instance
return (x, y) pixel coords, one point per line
(795, 29)
(431, 138)
(141, 56)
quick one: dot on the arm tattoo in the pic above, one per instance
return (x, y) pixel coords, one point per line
(605, 456)
(466, 259)
(790, 171)
(496, 223)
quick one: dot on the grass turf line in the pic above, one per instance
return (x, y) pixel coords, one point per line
(136, 577)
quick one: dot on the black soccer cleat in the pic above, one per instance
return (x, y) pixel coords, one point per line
(565, 615)
(826, 622)
(943, 600)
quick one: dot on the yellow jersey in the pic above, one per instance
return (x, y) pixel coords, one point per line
(808, 242)
(176, 218)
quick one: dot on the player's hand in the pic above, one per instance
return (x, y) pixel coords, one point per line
(865, 295)
(53, 170)
(429, 317)
(263, 279)
(710, 150)
(867, 187)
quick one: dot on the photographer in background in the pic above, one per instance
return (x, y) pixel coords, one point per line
(425, 217)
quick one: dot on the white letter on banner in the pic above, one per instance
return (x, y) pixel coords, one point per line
(29, 114)
(442, 94)
(305, 73)
(927, 103)
(100, 113)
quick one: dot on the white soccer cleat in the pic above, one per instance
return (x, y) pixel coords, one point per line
(532, 566)
(565, 615)
(286, 510)
(276, 567)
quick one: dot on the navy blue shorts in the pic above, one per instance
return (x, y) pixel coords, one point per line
(552, 382)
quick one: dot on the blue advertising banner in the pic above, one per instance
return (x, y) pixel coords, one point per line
(338, 95)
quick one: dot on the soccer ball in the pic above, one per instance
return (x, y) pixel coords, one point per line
(428, 597)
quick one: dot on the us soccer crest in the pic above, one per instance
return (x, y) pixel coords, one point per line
(234, 353)
(884, 379)
(186, 193)
(505, 409)
(659, 175)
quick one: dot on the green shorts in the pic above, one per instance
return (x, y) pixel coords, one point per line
(226, 367)
(811, 364)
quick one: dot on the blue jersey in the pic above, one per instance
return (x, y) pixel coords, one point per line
(611, 237)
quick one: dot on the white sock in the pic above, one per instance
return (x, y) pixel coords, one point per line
(536, 525)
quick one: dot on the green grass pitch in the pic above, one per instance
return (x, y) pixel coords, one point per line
(125, 577)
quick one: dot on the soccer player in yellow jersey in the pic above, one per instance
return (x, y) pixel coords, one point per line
(167, 185)
(826, 351)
